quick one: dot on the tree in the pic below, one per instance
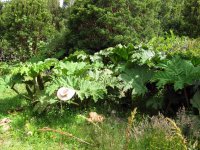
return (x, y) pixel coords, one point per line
(28, 25)
(191, 18)
(145, 17)
(97, 24)
(57, 14)
(1, 23)
(1, 6)
(170, 15)
(182, 16)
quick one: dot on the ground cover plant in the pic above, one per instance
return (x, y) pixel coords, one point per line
(128, 69)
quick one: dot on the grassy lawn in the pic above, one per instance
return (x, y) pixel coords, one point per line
(72, 131)
(24, 130)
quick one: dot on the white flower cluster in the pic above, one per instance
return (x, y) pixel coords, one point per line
(65, 93)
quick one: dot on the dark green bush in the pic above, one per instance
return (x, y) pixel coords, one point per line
(145, 15)
(181, 16)
(170, 15)
(96, 25)
(191, 18)
(28, 24)
(58, 14)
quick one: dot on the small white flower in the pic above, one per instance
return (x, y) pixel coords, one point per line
(65, 93)
(29, 133)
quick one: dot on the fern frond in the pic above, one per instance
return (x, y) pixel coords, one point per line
(178, 72)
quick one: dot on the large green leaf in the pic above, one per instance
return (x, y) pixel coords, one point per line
(135, 78)
(178, 72)
(84, 88)
(5, 82)
(71, 68)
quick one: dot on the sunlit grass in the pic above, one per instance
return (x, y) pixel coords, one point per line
(24, 132)
(25, 129)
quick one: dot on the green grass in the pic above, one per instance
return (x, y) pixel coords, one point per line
(44, 140)
(109, 135)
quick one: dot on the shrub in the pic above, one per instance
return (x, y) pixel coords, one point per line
(96, 25)
(170, 15)
(90, 80)
(28, 23)
(58, 14)
(174, 45)
(181, 16)
(146, 21)
(118, 73)
(191, 14)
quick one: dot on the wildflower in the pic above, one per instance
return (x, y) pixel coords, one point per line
(65, 94)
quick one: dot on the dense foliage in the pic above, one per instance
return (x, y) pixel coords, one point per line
(27, 26)
(146, 21)
(171, 15)
(126, 71)
(191, 15)
(130, 71)
(96, 25)
(42, 28)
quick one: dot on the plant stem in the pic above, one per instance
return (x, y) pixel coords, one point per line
(28, 89)
(40, 82)
(66, 134)
(24, 96)
(186, 96)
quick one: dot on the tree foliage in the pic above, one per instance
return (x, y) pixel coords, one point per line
(96, 25)
(171, 15)
(28, 25)
(145, 13)
(58, 14)
(191, 18)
